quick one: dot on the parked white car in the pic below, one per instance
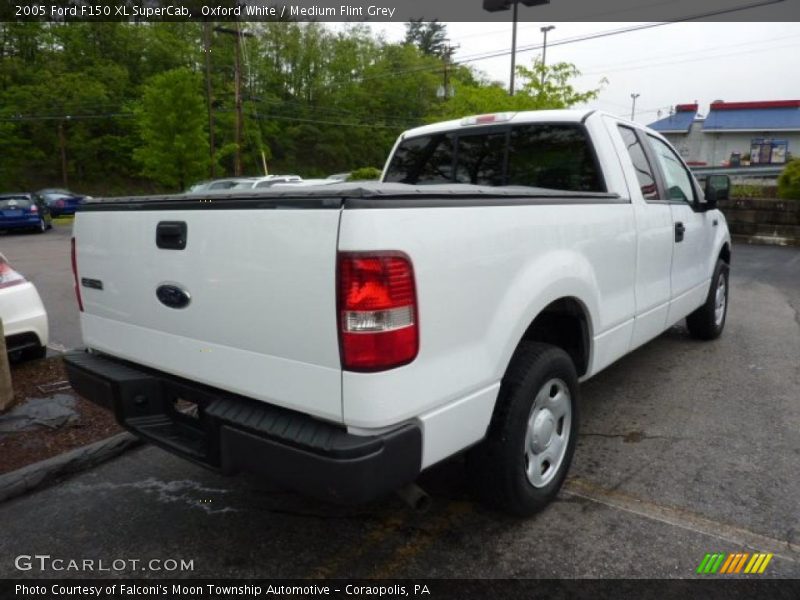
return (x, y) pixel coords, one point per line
(265, 182)
(23, 314)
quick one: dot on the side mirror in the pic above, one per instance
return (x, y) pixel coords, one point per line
(718, 187)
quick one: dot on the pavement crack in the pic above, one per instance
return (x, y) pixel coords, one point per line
(681, 517)
(630, 437)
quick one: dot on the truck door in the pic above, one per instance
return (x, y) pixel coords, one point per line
(654, 233)
(692, 232)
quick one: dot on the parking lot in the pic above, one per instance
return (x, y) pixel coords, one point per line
(685, 448)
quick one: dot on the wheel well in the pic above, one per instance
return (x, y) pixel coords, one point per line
(563, 323)
(725, 253)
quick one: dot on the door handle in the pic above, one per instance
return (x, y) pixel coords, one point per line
(679, 231)
(171, 235)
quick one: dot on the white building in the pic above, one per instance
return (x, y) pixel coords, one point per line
(747, 133)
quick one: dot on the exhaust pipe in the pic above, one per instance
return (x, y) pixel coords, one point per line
(415, 497)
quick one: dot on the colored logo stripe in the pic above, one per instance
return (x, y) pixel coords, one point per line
(734, 563)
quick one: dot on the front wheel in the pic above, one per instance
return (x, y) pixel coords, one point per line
(708, 321)
(523, 461)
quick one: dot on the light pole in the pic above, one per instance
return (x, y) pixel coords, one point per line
(544, 30)
(498, 5)
(633, 105)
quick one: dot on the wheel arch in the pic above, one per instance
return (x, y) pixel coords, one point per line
(565, 323)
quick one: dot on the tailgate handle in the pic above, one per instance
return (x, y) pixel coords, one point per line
(171, 235)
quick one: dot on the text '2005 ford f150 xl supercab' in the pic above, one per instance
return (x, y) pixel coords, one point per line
(340, 340)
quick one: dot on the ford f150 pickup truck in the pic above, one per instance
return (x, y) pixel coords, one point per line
(340, 340)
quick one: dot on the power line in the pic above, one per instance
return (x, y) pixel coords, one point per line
(576, 39)
(262, 116)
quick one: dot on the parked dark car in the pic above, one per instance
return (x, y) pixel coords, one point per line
(24, 211)
(61, 202)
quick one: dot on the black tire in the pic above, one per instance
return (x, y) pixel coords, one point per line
(42, 226)
(498, 466)
(37, 353)
(704, 323)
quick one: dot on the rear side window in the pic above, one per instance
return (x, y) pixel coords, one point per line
(558, 156)
(553, 156)
(644, 173)
(15, 203)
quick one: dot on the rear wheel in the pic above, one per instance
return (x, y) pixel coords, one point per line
(42, 226)
(708, 321)
(523, 461)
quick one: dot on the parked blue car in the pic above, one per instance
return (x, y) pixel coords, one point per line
(24, 211)
(61, 202)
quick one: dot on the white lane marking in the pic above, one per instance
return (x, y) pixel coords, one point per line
(682, 518)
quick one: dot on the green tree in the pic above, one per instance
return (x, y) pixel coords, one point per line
(789, 181)
(171, 118)
(430, 37)
(482, 97)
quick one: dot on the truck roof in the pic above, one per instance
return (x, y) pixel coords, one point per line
(502, 118)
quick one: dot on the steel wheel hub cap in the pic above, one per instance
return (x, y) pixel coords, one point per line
(719, 302)
(548, 432)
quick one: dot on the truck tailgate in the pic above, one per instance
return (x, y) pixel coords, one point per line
(261, 316)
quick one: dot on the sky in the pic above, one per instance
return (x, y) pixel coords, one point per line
(674, 63)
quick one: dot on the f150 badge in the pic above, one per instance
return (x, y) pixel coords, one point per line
(173, 296)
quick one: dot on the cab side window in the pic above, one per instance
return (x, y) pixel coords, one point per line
(676, 176)
(644, 172)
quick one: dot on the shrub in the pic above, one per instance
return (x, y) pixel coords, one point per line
(789, 181)
(753, 191)
(365, 174)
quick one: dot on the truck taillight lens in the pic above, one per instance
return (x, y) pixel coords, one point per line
(378, 323)
(75, 275)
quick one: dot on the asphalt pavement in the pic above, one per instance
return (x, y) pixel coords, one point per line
(686, 448)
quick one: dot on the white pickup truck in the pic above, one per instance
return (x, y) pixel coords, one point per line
(340, 340)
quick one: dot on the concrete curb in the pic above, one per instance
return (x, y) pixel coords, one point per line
(39, 474)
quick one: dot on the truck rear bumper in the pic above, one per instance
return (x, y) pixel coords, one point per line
(230, 433)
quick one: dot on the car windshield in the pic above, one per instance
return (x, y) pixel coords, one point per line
(52, 196)
(15, 203)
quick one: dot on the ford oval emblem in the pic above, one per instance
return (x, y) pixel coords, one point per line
(173, 296)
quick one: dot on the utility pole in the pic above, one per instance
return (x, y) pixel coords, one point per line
(62, 144)
(633, 105)
(544, 30)
(237, 66)
(448, 53)
(210, 99)
(237, 76)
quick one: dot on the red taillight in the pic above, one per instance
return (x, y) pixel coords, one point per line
(34, 208)
(8, 276)
(75, 276)
(378, 323)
